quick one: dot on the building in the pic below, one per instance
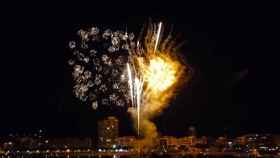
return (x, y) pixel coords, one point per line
(188, 141)
(166, 142)
(70, 143)
(241, 140)
(203, 140)
(192, 131)
(126, 142)
(221, 141)
(108, 132)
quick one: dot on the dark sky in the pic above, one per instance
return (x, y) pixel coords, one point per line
(225, 94)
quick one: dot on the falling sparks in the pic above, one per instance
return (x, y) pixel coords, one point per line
(136, 88)
(139, 86)
(130, 83)
(157, 74)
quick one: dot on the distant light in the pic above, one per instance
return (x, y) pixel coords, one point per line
(114, 146)
(7, 152)
(263, 147)
(116, 156)
(100, 150)
(68, 150)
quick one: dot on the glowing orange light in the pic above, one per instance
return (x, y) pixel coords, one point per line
(160, 74)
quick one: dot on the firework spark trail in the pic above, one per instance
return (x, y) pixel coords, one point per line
(136, 88)
(158, 36)
(139, 100)
(130, 83)
(139, 86)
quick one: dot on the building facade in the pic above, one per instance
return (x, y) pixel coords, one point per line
(108, 132)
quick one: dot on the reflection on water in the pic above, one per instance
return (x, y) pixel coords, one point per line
(118, 156)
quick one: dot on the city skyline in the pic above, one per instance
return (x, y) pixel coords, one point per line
(110, 143)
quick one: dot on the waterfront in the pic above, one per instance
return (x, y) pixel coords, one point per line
(137, 156)
(110, 144)
(92, 154)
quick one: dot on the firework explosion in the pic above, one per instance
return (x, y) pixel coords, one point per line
(111, 68)
(99, 60)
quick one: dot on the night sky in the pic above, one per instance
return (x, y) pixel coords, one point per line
(225, 94)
